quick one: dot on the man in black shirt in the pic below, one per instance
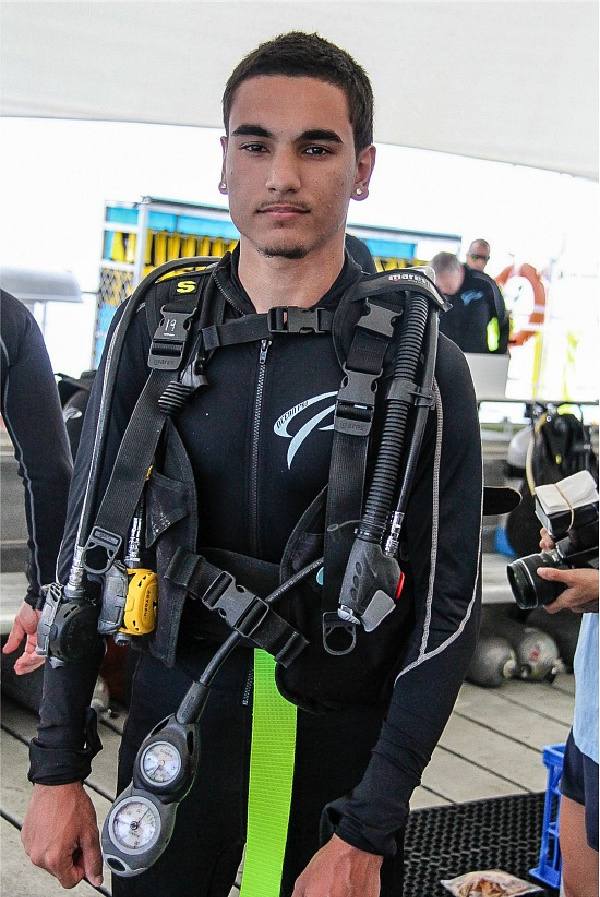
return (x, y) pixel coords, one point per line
(477, 321)
(248, 461)
(31, 410)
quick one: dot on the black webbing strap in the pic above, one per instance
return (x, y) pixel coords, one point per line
(354, 411)
(281, 320)
(161, 396)
(241, 609)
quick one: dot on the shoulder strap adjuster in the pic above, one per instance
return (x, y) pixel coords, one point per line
(355, 403)
(168, 344)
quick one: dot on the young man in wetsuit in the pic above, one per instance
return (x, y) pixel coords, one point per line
(257, 443)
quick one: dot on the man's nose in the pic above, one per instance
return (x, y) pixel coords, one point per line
(284, 172)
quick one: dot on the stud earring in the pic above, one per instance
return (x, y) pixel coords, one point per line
(222, 187)
(359, 191)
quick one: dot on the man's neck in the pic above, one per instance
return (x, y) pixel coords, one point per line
(276, 281)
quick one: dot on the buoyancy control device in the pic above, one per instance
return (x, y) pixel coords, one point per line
(360, 575)
(359, 570)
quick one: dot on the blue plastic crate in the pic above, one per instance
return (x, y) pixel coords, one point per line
(550, 863)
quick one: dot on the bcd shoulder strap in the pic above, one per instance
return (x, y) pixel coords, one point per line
(170, 383)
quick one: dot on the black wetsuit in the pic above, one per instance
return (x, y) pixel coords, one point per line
(31, 411)
(478, 302)
(259, 440)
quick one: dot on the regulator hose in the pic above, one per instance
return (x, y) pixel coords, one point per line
(378, 505)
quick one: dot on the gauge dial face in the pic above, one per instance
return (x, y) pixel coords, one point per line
(160, 763)
(135, 824)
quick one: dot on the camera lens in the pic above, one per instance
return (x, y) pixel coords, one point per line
(529, 590)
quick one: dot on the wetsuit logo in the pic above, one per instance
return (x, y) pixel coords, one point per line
(282, 423)
(471, 296)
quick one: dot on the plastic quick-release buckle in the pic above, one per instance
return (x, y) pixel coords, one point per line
(253, 618)
(104, 546)
(295, 320)
(355, 403)
(168, 343)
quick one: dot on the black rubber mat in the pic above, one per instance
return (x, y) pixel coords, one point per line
(500, 833)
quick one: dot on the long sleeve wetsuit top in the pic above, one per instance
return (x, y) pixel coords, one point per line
(31, 411)
(259, 441)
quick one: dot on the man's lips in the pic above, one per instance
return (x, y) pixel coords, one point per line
(282, 211)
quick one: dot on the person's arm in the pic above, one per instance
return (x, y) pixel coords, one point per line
(443, 527)
(32, 414)
(61, 755)
(581, 594)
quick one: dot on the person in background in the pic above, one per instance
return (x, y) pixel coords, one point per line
(578, 821)
(31, 410)
(478, 255)
(477, 321)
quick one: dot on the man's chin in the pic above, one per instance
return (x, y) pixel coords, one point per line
(284, 252)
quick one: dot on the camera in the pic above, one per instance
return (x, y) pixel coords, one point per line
(569, 511)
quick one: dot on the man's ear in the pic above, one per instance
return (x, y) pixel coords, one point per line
(223, 181)
(365, 164)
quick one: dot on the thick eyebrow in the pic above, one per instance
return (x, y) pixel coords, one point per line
(250, 130)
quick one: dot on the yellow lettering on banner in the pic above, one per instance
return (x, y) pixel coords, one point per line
(186, 286)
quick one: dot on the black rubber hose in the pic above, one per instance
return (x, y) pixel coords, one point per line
(385, 474)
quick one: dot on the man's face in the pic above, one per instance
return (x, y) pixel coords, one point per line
(478, 256)
(290, 164)
(449, 282)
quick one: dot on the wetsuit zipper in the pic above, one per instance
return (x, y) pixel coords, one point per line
(258, 402)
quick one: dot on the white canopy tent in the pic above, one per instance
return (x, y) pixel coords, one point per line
(506, 81)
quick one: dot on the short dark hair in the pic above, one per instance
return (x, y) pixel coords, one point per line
(298, 54)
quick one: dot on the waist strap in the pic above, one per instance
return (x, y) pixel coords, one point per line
(241, 609)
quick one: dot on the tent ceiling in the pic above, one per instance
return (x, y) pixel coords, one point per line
(507, 81)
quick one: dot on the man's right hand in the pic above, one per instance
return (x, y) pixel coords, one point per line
(60, 834)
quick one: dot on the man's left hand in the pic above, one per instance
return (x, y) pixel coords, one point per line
(24, 627)
(340, 870)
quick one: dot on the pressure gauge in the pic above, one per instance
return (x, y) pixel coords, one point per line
(136, 831)
(134, 823)
(140, 823)
(160, 763)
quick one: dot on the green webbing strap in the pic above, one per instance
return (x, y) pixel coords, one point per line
(271, 774)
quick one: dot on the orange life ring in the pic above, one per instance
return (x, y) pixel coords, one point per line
(536, 318)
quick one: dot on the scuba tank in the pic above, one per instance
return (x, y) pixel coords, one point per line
(563, 627)
(493, 662)
(536, 651)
